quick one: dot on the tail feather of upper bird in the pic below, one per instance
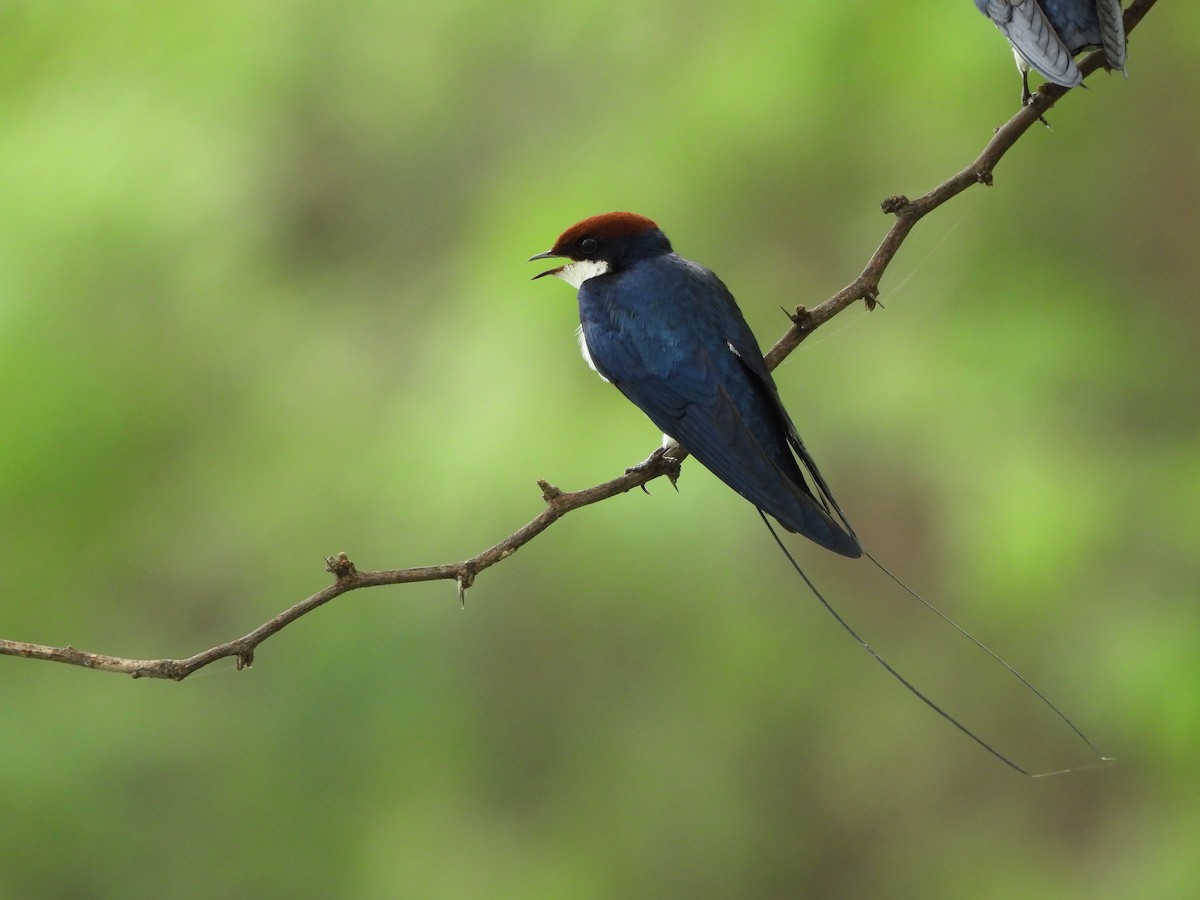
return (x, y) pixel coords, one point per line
(1112, 32)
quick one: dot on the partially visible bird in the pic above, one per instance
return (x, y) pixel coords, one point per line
(1046, 35)
(668, 334)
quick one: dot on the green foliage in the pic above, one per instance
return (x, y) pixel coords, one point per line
(263, 298)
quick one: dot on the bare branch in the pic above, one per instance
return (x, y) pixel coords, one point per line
(558, 503)
(909, 212)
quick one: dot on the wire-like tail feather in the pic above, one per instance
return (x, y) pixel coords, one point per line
(916, 692)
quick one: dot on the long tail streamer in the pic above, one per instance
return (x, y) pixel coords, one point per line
(916, 692)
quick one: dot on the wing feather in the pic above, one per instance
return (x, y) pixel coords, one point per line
(1112, 32)
(1029, 31)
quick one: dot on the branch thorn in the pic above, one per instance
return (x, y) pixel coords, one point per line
(549, 492)
(802, 319)
(340, 567)
(465, 579)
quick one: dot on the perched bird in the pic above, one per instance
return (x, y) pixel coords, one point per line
(668, 334)
(1046, 35)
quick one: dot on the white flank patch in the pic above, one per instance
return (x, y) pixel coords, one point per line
(576, 273)
(669, 443)
(587, 355)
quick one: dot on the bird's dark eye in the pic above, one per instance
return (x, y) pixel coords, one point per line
(588, 245)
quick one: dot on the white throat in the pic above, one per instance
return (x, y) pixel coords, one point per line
(576, 273)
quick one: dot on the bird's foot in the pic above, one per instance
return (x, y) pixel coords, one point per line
(1030, 99)
(663, 461)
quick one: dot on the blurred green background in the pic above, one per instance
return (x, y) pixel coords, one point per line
(263, 298)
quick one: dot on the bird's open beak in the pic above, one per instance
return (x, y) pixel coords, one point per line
(549, 254)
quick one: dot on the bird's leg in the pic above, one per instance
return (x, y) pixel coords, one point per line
(1027, 96)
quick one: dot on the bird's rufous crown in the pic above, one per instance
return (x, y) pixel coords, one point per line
(605, 225)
